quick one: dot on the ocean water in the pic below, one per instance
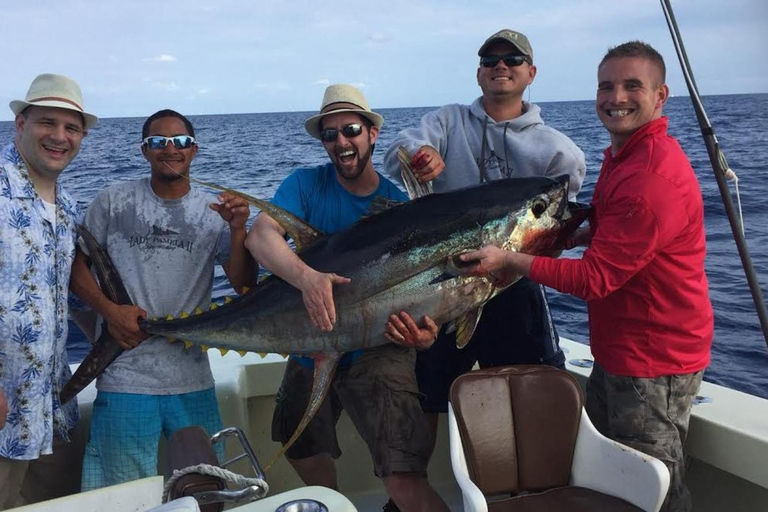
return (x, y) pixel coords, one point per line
(254, 152)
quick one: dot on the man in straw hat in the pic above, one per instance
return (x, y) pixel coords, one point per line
(498, 136)
(332, 197)
(40, 446)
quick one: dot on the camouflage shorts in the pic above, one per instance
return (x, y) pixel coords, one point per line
(650, 415)
(379, 392)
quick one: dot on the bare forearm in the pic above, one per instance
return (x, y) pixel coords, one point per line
(268, 246)
(518, 262)
(242, 270)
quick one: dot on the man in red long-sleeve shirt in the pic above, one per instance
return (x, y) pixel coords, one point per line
(642, 275)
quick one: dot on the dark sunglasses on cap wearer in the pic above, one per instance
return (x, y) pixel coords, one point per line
(159, 142)
(348, 131)
(491, 61)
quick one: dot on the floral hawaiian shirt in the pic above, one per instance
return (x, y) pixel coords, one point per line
(35, 263)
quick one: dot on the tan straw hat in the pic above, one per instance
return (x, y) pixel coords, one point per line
(49, 90)
(342, 98)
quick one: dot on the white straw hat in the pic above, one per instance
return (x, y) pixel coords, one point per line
(342, 98)
(49, 90)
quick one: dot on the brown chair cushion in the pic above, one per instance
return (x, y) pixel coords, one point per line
(518, 425)
(564, 499)
(187, 447)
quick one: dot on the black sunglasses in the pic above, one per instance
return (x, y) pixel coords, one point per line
(159, 142)
(491, 61)
(348, 131)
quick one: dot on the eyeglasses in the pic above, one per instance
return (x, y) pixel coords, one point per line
(491, 61)
(179, 141)
(349, 131)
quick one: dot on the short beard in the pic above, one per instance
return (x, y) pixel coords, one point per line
(360, 166)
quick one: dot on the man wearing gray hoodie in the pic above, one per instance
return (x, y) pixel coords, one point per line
(497, 136)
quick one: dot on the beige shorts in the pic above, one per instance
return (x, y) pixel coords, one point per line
(379, 392)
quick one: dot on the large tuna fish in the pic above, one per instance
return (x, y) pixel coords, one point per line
(402, 259)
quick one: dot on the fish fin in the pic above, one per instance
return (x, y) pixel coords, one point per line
(245, 289)
(242, 352)
(188, 344)
(198, 311)
(380, 204)
(205, 348)
(303, 233)
(184, 314)
(223, 351)
(105, 349)
(454, 267)
(213, 306)
(171, 340)
(465, 326)
(227, 299)
(262, 354)
(325, 368)
(169, 317)
(412, 185)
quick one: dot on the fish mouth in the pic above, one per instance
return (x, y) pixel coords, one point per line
(576, 213)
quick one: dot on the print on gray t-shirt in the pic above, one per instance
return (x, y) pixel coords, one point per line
(165, 251)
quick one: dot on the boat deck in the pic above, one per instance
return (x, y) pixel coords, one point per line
(727, 445)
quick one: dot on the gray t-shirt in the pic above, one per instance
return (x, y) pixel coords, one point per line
(164, 251)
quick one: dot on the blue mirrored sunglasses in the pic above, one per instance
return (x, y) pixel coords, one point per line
(179, 141)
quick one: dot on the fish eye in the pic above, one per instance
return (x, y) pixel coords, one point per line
(539, 206)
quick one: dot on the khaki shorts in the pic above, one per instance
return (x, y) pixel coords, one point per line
(650, 415)
(379, 392)
(23, 482)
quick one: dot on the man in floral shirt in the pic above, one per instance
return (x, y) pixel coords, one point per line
(40, 450)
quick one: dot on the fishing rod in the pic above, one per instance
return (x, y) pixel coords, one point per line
(719, 166)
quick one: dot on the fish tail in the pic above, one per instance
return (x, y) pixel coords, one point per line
(106, 349)
(325, 368)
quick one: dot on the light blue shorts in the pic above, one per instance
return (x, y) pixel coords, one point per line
(126, 428)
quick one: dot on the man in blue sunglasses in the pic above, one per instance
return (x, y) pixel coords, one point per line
(164, 237)
(332, 197)
(498, 136)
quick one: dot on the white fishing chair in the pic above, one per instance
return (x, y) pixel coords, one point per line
(521, 441)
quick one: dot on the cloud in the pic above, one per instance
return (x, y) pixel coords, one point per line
(379, 38)
(322, 81)
(163, 86)
(161, 58)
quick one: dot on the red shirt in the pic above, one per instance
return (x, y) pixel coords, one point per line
(643, 273)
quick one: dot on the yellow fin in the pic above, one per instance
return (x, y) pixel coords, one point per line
(223, 351)
(242, 352)
(213, 306)
(227, 300)
(184, 314)
(198, 311)
(465, 326)
(262, 354)
(169, 317)
(171, 340)
(205, 348)
(246, 289)
(187, 344)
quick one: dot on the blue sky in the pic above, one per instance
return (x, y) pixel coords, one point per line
(224, 56)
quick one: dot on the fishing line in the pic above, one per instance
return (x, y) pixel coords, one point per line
(720, 168)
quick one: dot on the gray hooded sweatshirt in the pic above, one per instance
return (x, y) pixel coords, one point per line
(475, 148)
